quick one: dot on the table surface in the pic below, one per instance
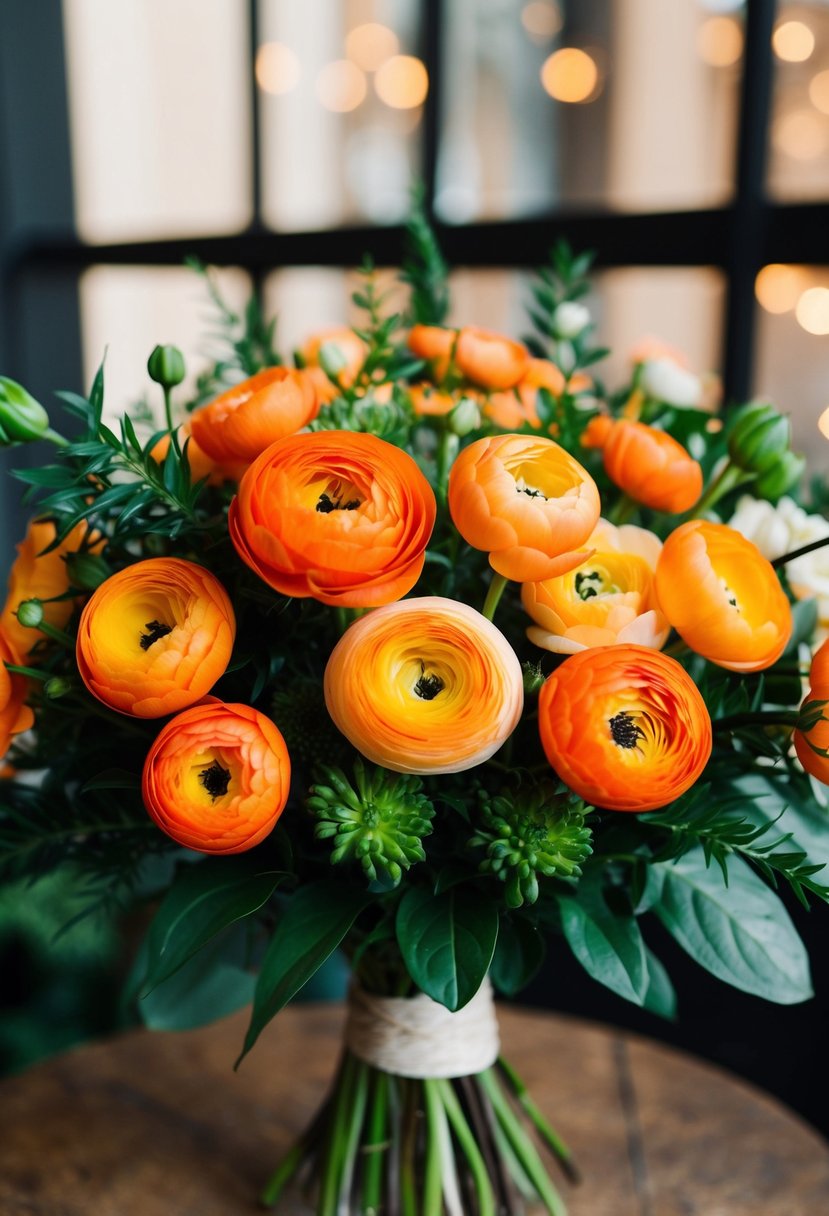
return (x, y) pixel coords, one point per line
(152, 1123)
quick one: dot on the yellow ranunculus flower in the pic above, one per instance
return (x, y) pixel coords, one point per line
(608, 600)
(425, 686)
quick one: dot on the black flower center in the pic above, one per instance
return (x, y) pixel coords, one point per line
(624, 731)
(327, 504)
(215, 779)
(588, 585)
(155, 630)
(428, 686)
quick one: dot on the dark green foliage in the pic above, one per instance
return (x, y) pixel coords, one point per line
(424, 269)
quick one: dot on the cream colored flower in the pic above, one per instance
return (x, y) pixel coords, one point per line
(664, 380)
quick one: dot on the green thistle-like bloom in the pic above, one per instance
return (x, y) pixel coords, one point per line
(378, 820)
(539, 830)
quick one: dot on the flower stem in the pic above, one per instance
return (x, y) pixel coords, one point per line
(801, 552)
(522, 1146)
(55, 438)
(622, 510)
(408, 1183)
(375, 1146)
(334, 1155)
(493, 595)
(772, 717)
(168, 414)
(483, 1187)
(728, 478)
(432, 1185)
(550, 1137)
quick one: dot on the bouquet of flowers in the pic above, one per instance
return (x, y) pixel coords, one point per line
(424, 646)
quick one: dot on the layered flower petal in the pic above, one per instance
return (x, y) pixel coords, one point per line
(490, 360)
(15, 716)
(723, 597)
(341, 516)
(625, 727)
(526, 502)
(518, 406)
(609, 599)
(425, 686)
(647, 464)
(819, 671)
(434, 344)
(155, 637)
(217, 777)
(38, 575)
(243, 421)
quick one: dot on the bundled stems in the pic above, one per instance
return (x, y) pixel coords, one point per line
(385, 1145)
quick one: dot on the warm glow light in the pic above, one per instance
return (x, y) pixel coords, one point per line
(778, 287)
(277, 68)
(570, 75)
(541, 19)
(402, 82)
(370, 45)
(813, 310)
(819, 91)
(823, 423)
(801, 134)
(720, 41)
(793, 41)
(341, 86)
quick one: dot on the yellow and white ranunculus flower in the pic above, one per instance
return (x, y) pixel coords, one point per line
(425, 686)
(608, 600)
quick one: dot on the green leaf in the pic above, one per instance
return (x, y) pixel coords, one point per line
(518, 954)
(742, 934)
(447, 941)
(660, 997)
(609, 947)
(204, 899)
(112, 779)
(311, 928)
(211, 985)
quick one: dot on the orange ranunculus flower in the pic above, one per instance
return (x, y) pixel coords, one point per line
(217, 778)
(39, 577)
(722, 596)
(625, 727)
(647, 464)
(819, 671)
(428, 401)
(513, 409)
(607, 601)
(435, 344)
(14, 715)
(155, 637)
(338, 515)
(425, 686)
(343, 349)
(812, 744)
(201, 465)
(245, 419)
(526, 502)
(490, 360)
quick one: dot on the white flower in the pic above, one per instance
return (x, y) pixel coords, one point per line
(569, 319)
(664, 380)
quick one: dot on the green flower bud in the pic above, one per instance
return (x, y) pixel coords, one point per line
(30, 613)
(332, 359)
(759, 435)
(378, 820)
(87, 570)
(780, 477)
(166, 366)
(22, 419)
(534, 678)
(58, 686)
(465, 417)
(538, 831)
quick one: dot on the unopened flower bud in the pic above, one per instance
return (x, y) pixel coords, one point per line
(465, 417)
(665, 381)
(533, 678)
(30, 613)
(784, 473)
(87, 570)
(570, 319)
(758, 437)
(58, 686)
(22, 419)
(166, 366)
(332, 359)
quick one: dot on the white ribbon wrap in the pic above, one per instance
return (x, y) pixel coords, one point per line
(417, 1037)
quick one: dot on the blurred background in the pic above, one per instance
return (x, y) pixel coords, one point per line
(686, 142)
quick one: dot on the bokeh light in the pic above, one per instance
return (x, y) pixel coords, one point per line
(801, 134)
(370, 45)
(793, 41)
(570, 75)
(720, 41)
(823, 423)
(541, 19)
(819, 91)
(341, 86)
(402, 82)
(778, 287)
(812, 310)
(277, 68)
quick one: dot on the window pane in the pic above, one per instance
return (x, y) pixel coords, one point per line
(799, 145)
(126, 311)
(159, 113)
(340, 93)
(630, 104)
(791, 366)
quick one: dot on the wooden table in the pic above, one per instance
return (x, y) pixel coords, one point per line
(158, 1123)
